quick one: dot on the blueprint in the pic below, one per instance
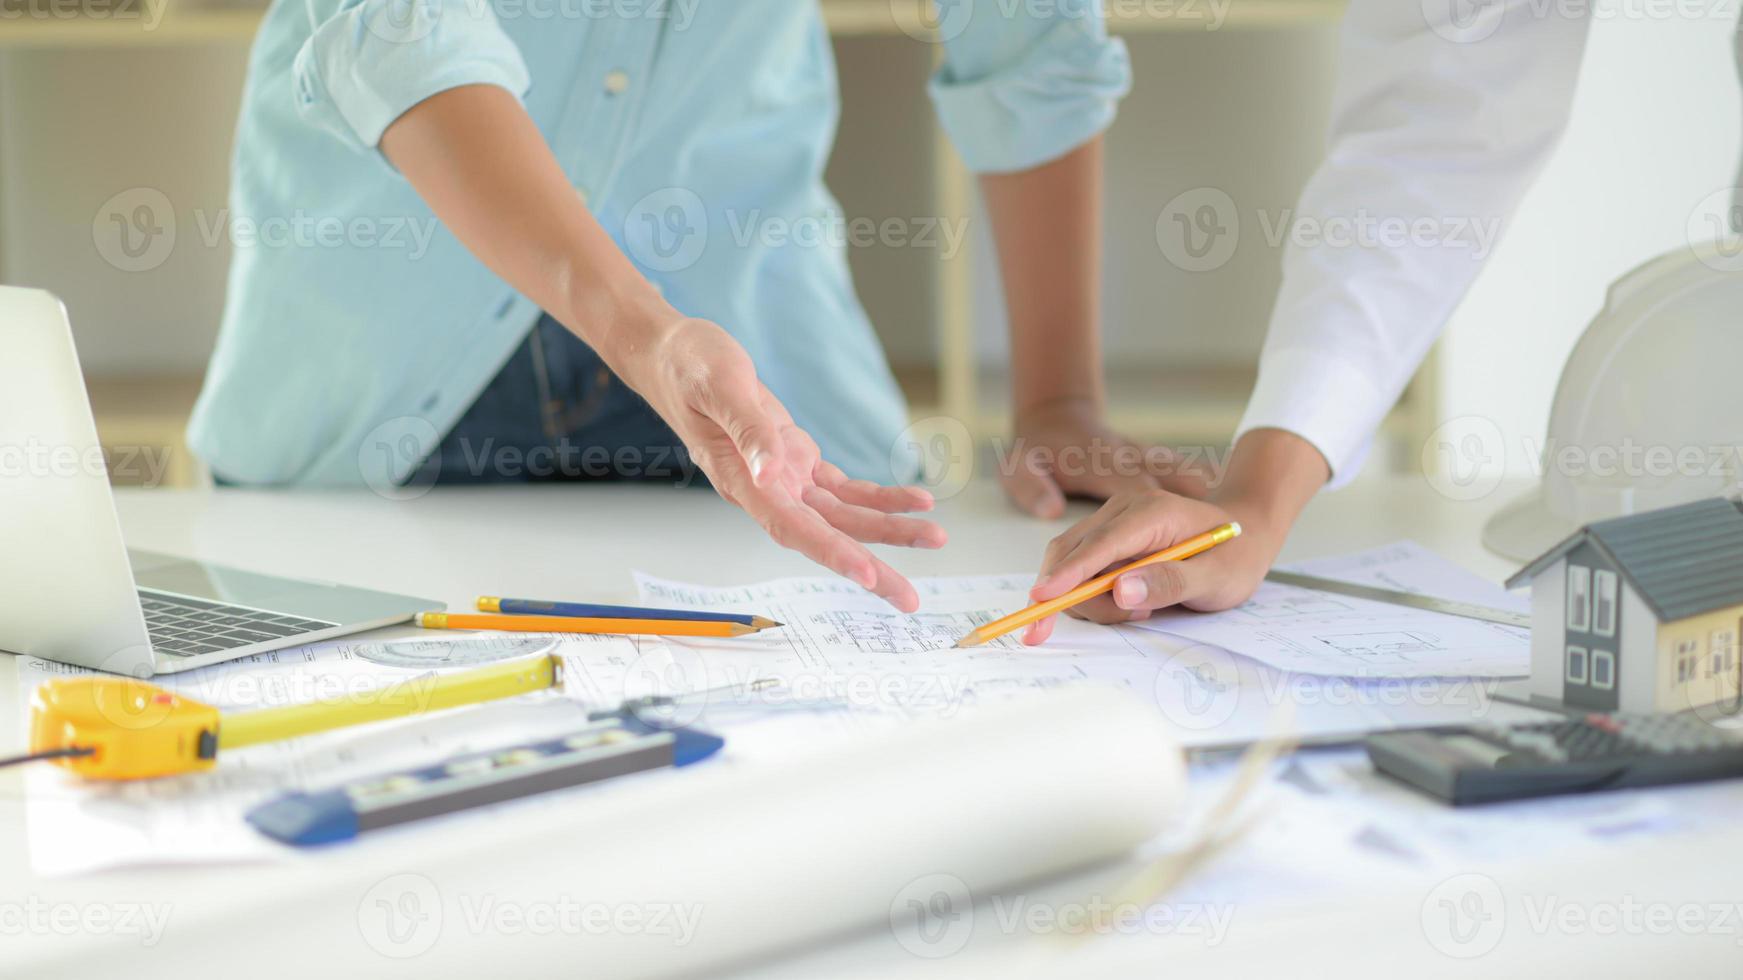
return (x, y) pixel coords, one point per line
(844, 656)
(1304, 631)
(846, 660)
(843, 666)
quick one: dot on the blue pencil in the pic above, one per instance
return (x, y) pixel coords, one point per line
(539, 607)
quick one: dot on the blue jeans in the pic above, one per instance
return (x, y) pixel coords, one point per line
(556, 413)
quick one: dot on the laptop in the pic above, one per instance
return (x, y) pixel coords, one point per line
(70, 589)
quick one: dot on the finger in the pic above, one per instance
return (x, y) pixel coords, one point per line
(789, 522)
(873, 526)
(802, 529)
(1102, 609)
(1161, 585)
(1038, 631)
(1127, 538)
(1035, 493)
(799, 528)
(1066, 543)
(895, 589)
(865, 493)
(736, 406)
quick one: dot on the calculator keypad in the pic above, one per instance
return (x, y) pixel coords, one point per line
(1598, 736)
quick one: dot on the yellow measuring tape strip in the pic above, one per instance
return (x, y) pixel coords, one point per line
(120, 728)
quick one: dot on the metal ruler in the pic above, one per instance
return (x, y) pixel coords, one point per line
(1468, 610)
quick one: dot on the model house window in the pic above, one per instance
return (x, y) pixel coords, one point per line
(1724, 645)
(1687, 660)
(1576, 665)
(1604, 603)
(1603, 670)
(1579, 598)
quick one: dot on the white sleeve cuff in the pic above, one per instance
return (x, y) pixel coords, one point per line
(1334, 403)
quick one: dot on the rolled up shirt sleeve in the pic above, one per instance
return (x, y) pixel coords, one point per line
(371, 60)
(1439, 125)
(1019, 87)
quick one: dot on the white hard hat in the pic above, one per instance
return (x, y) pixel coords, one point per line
(1648, 412)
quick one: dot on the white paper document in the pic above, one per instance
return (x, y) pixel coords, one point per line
(1405, 566)
(848, 661)
(1308, 632)
(844, 665)
(848, 654)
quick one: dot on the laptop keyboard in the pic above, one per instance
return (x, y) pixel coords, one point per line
(183, 627)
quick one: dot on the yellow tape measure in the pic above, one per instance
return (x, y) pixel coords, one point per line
(120, 728)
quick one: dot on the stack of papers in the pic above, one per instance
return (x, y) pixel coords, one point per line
(1292, 660)
(1310, 632)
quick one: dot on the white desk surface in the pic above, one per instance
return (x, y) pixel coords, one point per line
(584, 541)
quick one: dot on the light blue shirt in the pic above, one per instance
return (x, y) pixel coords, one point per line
(357, 330)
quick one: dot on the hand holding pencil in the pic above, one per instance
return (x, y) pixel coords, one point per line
(1100, 585)
(1133, 526)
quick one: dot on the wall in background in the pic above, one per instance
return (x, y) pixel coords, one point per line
(1243, 112)
(882, 168)
(1654, 132)
(77, 127)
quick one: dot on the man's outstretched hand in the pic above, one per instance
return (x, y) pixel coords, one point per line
(702, 382)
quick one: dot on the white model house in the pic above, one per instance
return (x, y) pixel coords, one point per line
(1641, 613)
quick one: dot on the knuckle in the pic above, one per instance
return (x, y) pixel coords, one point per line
(1167, 582)
(1095, 541)
(780, 532)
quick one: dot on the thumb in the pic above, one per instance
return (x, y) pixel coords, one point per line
(1034, 491)
(738, 409)
(1161, 585)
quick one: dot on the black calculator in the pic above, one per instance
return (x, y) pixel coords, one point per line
(1585, 754)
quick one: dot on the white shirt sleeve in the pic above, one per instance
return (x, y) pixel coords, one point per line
(1444, 112)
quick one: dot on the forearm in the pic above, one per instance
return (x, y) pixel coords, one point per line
(1047, 228)
(476, 158)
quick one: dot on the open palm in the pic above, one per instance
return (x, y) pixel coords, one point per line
(703, 383)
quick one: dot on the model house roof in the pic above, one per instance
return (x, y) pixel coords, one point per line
(1683, 561)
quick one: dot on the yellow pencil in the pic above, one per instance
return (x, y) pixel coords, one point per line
(581, 624)
(1098, 585)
